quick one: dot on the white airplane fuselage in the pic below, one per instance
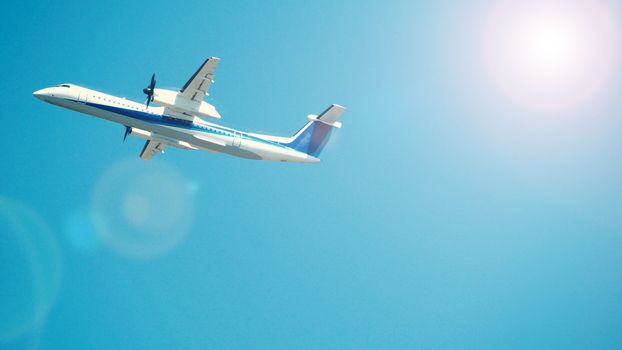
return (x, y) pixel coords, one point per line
(152, 123)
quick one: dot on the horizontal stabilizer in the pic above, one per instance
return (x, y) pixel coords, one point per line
(330, 116)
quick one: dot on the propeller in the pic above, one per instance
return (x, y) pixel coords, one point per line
(149, 90)
(127, 131)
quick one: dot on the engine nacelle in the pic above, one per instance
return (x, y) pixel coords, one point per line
(171, 99)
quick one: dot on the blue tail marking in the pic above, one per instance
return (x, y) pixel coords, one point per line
(312, 138)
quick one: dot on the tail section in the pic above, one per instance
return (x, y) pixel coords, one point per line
(312, 138)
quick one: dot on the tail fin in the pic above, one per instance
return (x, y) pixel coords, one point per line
(312, 138)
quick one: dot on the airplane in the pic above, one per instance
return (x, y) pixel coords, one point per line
(179, 121)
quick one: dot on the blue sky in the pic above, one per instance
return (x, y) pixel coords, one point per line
(444, 215)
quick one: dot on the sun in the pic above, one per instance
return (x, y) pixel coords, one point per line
(549, 54)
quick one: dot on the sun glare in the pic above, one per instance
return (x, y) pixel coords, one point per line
(550, 54)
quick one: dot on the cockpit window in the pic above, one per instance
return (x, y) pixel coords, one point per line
(64, 85)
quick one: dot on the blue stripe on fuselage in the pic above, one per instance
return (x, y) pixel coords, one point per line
(176, 122)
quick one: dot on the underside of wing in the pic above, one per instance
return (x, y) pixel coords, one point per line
(152, 147)
(197, 87)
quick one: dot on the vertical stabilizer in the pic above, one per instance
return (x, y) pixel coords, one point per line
(312, 138)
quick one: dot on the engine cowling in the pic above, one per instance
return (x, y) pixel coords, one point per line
(171, 99)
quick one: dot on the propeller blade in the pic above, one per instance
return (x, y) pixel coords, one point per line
(127, 131)
(149, 90)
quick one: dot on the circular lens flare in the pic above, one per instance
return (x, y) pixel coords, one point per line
(143, 208)
(550, 54)
(32, 270)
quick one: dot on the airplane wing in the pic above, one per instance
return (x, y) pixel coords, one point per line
(152, 147)
(196, 88)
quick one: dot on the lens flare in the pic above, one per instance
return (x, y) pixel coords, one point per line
(31, 273)
(550, 54)
(144, 208)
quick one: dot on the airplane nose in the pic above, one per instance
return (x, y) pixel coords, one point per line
(40, 94)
